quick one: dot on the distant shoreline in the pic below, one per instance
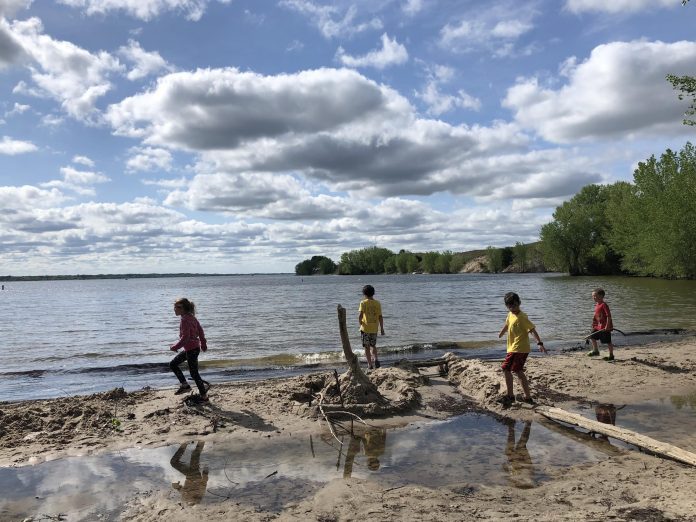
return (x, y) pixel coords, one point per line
(7, 279)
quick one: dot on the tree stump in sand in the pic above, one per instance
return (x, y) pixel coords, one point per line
(356, 387)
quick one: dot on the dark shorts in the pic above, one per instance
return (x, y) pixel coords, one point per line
(368, 339)
(514, 362)
(602, 336)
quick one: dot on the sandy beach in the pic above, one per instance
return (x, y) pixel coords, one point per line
(625, 485)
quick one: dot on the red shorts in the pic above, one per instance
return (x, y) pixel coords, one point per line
(514, 361)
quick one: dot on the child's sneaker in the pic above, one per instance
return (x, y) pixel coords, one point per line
(528, 401)
(183, 389)
(505, 401)
(377, 363)
(593, 353)
(608, 358)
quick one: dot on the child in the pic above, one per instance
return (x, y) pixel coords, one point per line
(602, 325)
(370, 316)
(192, 339)
(518, 327)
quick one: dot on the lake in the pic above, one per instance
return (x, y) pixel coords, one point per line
(84, 336)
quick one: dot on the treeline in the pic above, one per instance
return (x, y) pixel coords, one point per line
(645, 228)
(378, 260)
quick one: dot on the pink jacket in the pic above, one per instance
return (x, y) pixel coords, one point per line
(191, 335)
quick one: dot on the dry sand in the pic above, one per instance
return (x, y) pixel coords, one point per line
(627, 485)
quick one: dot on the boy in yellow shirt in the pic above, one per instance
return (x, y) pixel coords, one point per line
(370, 317)
(518, 327)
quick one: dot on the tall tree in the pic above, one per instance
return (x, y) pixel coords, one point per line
(654, 221)
(576, 240)
(687, 86)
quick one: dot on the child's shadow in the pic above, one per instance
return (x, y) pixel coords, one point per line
(244, 418)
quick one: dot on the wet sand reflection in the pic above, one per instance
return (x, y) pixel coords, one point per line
(196, 480)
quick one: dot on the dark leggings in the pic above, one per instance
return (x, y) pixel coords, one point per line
(191, 357)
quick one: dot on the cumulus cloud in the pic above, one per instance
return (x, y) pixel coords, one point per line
(328, 18)
(438, 102)
(83, 160)
(144, 63)
(620, 90)
(11, 50)
(149, 158)
(225, 108)
(496, 29)
(8, 8)
(143, 9)
(12, 147)
(331, 126)
(79, 181)
(617, 6)
(63, 71)
(391, 53)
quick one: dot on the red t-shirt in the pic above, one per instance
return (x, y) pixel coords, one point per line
(601, 316)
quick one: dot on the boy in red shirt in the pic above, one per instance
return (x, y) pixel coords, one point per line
(602, 325)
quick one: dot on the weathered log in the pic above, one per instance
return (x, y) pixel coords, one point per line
(356, 385)
(662, 449)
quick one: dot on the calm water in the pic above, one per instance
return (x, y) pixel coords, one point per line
(270, 473)
(69, 337)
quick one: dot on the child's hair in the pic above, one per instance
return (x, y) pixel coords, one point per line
(368, 290)
(512, 298)
(599, 292)
(187, 305)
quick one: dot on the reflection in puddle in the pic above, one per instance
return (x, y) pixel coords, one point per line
(272, 472)
(671, 419)
(196, 480)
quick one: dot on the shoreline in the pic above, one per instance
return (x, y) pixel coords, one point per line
(627, 486)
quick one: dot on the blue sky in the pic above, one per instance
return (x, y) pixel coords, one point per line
(244, 136)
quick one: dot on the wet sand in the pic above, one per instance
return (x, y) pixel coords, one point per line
(623, 484)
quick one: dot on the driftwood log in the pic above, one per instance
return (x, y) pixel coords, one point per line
(357, 390)
(662, 449)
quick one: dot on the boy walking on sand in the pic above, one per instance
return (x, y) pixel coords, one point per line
(602, 325)
(518, 327)
(370, 317)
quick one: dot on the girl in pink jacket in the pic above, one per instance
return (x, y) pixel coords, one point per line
(192, 340)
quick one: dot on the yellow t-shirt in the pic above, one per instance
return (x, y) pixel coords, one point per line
(371, 310)
(519, 327)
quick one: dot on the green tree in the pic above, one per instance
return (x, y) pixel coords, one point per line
(315, 265)
(495, 259)
(654, 220)
(364, 261)
(390, 265)
(519, 255)
(457, 263)
(429, 261)
(577, 240)
(443, 262)
(687, 87)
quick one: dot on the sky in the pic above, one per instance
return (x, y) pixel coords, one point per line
(240, 136)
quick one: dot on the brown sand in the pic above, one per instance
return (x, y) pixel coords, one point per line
(628, 485)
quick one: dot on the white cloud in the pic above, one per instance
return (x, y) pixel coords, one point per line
(496, 28)
(143, 9)
(412, 7)
(18, 108)
(12, 147)
(391, 53)
(83, 160)
(328, 18)
(149, 158)
(617, 6)
(439, 103)
(8, 8)
(144, 63)
(11, 51)
(619, 91)
(79, 181)
(63, 71)
(330, 126)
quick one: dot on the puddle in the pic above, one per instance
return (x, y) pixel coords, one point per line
(270, 473)
(671, 419)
